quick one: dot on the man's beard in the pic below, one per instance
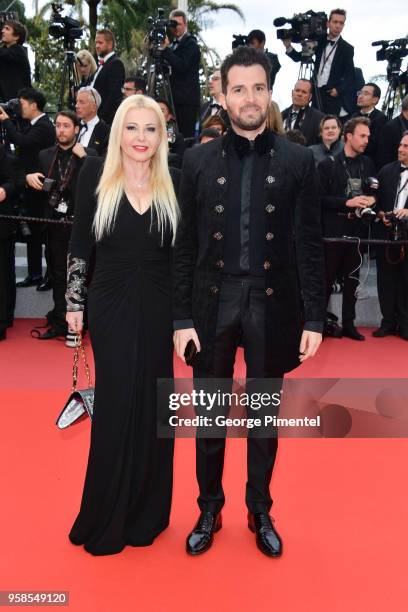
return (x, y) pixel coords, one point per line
(248, 124)
(65, 142)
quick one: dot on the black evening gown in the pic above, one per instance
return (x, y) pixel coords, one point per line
(128, 485)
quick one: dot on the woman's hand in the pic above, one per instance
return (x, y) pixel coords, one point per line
(75, 320)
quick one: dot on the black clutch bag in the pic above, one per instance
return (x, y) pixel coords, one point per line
(80, 402)
(190, 352)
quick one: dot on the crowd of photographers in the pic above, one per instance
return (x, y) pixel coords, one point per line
(361, 156)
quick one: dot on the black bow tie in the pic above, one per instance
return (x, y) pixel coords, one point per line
(215, 105)
(243, 146)
(403, 168)
(331, 42)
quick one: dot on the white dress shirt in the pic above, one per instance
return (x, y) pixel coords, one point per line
(105, 59)
(326, 62)
(34, 121)
(85, 134)
(402, 191)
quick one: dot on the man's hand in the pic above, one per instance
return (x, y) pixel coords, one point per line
(3, 194)
(166, 42)
(3, 115)
(75, 320)
(334, 93)
(309, 344)
(79, 150)
(402, 213)
(181, 338)
(361, 201)
(384, 219)
(33, 180)
(287, 42)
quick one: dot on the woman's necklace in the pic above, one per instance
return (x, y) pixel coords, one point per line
(139, 185)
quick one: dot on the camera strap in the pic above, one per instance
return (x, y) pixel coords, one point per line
(63, 178)
(400, 190)
(325, 57)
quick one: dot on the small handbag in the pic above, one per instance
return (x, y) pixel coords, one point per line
(80, 401)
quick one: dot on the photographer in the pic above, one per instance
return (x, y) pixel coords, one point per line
(213, 106)
(183, 55)
(368, 98)
(109, 77)
(38, 135)
(390, 135)
(11, 179)
(301, 116)
(94, 132)
(133, 86)
(257, 40)
(392, 268)
(14, 65)
(56, 181)
(333, 68)
(344, 196)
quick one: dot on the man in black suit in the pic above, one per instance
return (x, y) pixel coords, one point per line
(37, 135)
(213, 106)
(301, 116)
(341, 178)
(109, 77)
(14, 65)
(367, 100)
(333, 69)
(11, 180)
(183, 55)
(249, 241)
(390, 135)
(94, 132)
(392, 271)
(62, 164)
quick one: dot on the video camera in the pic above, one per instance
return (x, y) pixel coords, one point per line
(12, 108)
(64, 27)
(399, 227)
(305, 26)
(239, 40)
(391, 50)
(158, 27)
(368, 187)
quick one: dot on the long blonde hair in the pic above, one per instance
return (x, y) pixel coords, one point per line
(83, 54)
(274, 119)
(111, 184)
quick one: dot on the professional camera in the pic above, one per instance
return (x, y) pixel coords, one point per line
(391, 50)
(158, 27)
(367, 187)
(12, 108)
(239, 40)
(399, 227)
(305, 26)
(8, 16)
(64, 27)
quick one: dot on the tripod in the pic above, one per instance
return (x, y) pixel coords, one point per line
(158, 84)
(395, 89)
(307, 68)
(69, 78)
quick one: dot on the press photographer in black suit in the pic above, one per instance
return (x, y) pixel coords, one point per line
(257, 40)
(94, 132)
(390, 136)
(392, 270)
(11, 180)
(300, 115)
(340, 180)
(37, 135)
(14, 64)
(368, 98)
(183, 55)
(109, 77)
(60, 164)
(333, 69)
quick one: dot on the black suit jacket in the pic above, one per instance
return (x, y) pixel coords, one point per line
(377, 120)
(205, 113)
(12, 180)
(14, 71)
(307, 122)
(342, 74)
(100, 137)
(185, 63)
(109, 84)
(389, 177)
(389, 139)
(30, 141)
(294, 255)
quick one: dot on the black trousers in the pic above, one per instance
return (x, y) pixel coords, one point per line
(241, 321)
(392, 287)
(328, 104)
(186, 119)
(7, 275)
(57, 247)
(341, 260)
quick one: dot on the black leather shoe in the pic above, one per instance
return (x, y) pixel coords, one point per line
(46, 285)
(351, 332)
(3, 333)
(381, 332)
(30, 281)
(403, 334)
(51, 333)
(267, 538)
(202, 536)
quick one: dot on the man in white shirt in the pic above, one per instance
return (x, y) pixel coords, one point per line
(94, 131)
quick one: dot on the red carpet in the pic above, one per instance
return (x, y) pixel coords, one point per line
(341, 506)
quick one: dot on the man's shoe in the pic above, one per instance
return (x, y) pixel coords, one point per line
(46, 285)
(202, 536)
(403, 333)
(3, 333)
(349, 331)
(383, 331)
(30, 281)
(267, 538)
(51, 333)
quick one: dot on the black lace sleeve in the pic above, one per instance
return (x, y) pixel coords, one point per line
(82, 238)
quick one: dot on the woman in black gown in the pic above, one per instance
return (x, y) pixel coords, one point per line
(126, 207)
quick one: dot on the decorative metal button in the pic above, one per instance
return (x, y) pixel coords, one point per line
(217, 236)
(219, 208)
(214, 289)
(219, 264)
(270, 208)
(270, 179)
(267, 265)
(272, 152)
(269, 291)
(221, 180)
(269, 236)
